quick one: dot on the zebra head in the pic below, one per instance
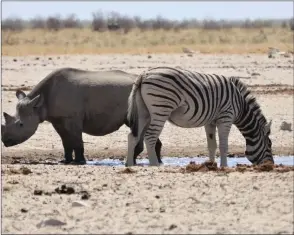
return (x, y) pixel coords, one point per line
(261, 151)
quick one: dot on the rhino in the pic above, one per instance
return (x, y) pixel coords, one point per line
(74, 101)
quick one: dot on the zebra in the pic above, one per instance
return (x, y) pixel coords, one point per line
(190, 99)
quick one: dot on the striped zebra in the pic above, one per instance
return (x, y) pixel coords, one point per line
(190, 99)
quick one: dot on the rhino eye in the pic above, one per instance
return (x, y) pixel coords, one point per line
(21, 124)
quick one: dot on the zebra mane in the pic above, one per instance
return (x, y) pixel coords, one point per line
(249, 98)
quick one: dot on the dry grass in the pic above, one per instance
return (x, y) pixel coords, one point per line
(85, 41)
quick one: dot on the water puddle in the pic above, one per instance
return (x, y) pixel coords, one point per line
(183, 161)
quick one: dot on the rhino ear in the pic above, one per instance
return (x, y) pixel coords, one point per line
(20, 94)
(37, 101)
(7, 118)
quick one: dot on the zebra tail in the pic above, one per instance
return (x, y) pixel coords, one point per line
(132, 106)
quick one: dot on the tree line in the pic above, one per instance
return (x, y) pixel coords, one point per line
(115, 21)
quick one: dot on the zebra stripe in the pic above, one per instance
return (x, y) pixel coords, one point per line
(191, 99)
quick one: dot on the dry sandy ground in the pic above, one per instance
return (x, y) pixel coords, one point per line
(172, 203)
(273, 88)
(151, 200)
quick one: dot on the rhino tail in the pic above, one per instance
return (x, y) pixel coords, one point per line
(134, 100)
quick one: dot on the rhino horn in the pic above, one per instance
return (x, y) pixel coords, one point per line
(7, 117)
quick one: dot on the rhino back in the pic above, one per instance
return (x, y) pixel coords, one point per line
(99, 98)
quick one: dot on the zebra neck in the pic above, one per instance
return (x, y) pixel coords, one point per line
(249, 125)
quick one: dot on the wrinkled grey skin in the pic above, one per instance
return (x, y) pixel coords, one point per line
(74, 101)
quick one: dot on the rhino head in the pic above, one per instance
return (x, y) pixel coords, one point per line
(24, 123)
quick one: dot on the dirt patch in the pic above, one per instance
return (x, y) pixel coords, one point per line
(22, 170)
(12, 88)
(212, 166)
(127, 170)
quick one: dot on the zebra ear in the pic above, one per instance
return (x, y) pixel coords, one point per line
(268, 127)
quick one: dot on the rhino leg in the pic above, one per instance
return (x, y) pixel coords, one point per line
(68, 150)
(71, 136)
(79, 155)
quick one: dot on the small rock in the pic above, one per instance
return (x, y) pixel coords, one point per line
(49, 58)
(285, 126)
(23, 210)
(149, 56)
(173, 226)
(190, 55)
(6, 189)
(187, 50)
(13, 182)
(78, 204)
(38, 192)
(51, 222)
(157, 197)
(14, 60)
(25, 170)
(255, 74)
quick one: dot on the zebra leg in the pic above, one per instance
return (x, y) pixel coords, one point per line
(210, 130)
(223, 133)
(140, 147)
(135, 143)
(151, 140)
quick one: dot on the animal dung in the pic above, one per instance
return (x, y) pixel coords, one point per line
(85, 195)
(127, 170)
(64, 190)
(266, 166)
(206, 166)
(38, 192)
